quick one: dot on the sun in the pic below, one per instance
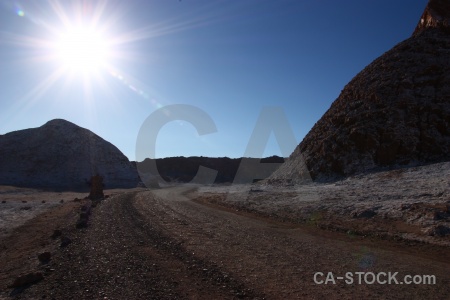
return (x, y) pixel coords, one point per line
(82, 49)
(84, 45)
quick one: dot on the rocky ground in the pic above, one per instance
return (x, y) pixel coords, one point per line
(176, 243)
(19, 205)
(411, 203)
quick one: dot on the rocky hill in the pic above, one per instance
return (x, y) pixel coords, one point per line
(395, 112)
(60, 154)
(184, 169)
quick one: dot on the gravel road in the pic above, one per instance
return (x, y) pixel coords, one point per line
(161, 245)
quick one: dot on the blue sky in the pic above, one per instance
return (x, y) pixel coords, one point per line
(229, 58)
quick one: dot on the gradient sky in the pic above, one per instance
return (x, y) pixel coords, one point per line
(229, 58)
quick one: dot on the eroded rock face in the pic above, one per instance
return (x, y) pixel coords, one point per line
(436, 15)
(394, 112)
(96, 188)
(60, 154)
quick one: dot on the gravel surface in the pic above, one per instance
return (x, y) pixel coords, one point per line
(405, 203)
(161, 245)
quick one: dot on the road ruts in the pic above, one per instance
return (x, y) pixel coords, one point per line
(159, 244)
(279, 261)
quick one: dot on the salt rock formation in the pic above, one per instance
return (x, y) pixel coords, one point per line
(395, 112)
(60, 154)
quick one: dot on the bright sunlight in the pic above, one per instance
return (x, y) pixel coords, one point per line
(82, 49)
(81, 42)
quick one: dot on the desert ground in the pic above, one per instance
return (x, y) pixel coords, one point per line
(231, 241)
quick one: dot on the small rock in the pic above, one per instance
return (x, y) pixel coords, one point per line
(405, 206)
(440, 215)
(4, 201)
(81, 223)
(44, 257)
(26, 279)
(439, 230)
(65, 241)
(86, 209)
(24, 201)
(366, 214)
(43, 201)
(76, 200)
(56, 233)
(61, 201)
(84, 215)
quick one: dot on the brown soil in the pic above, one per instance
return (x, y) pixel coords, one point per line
(161, 245)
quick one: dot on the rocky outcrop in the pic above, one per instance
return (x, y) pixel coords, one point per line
(436, 15)
(62, 155)
(96, 183)
(395, 112)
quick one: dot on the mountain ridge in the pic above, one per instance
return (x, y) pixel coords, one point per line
(183, 169)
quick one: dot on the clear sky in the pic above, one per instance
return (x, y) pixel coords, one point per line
(107, 65)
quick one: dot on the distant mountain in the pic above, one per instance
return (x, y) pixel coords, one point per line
(184, 169)
(60, 154)
(395, 112)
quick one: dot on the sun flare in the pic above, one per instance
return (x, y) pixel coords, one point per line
(83, 44)
(82, 49)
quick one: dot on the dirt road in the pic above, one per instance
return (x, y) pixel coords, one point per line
(162, 245)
